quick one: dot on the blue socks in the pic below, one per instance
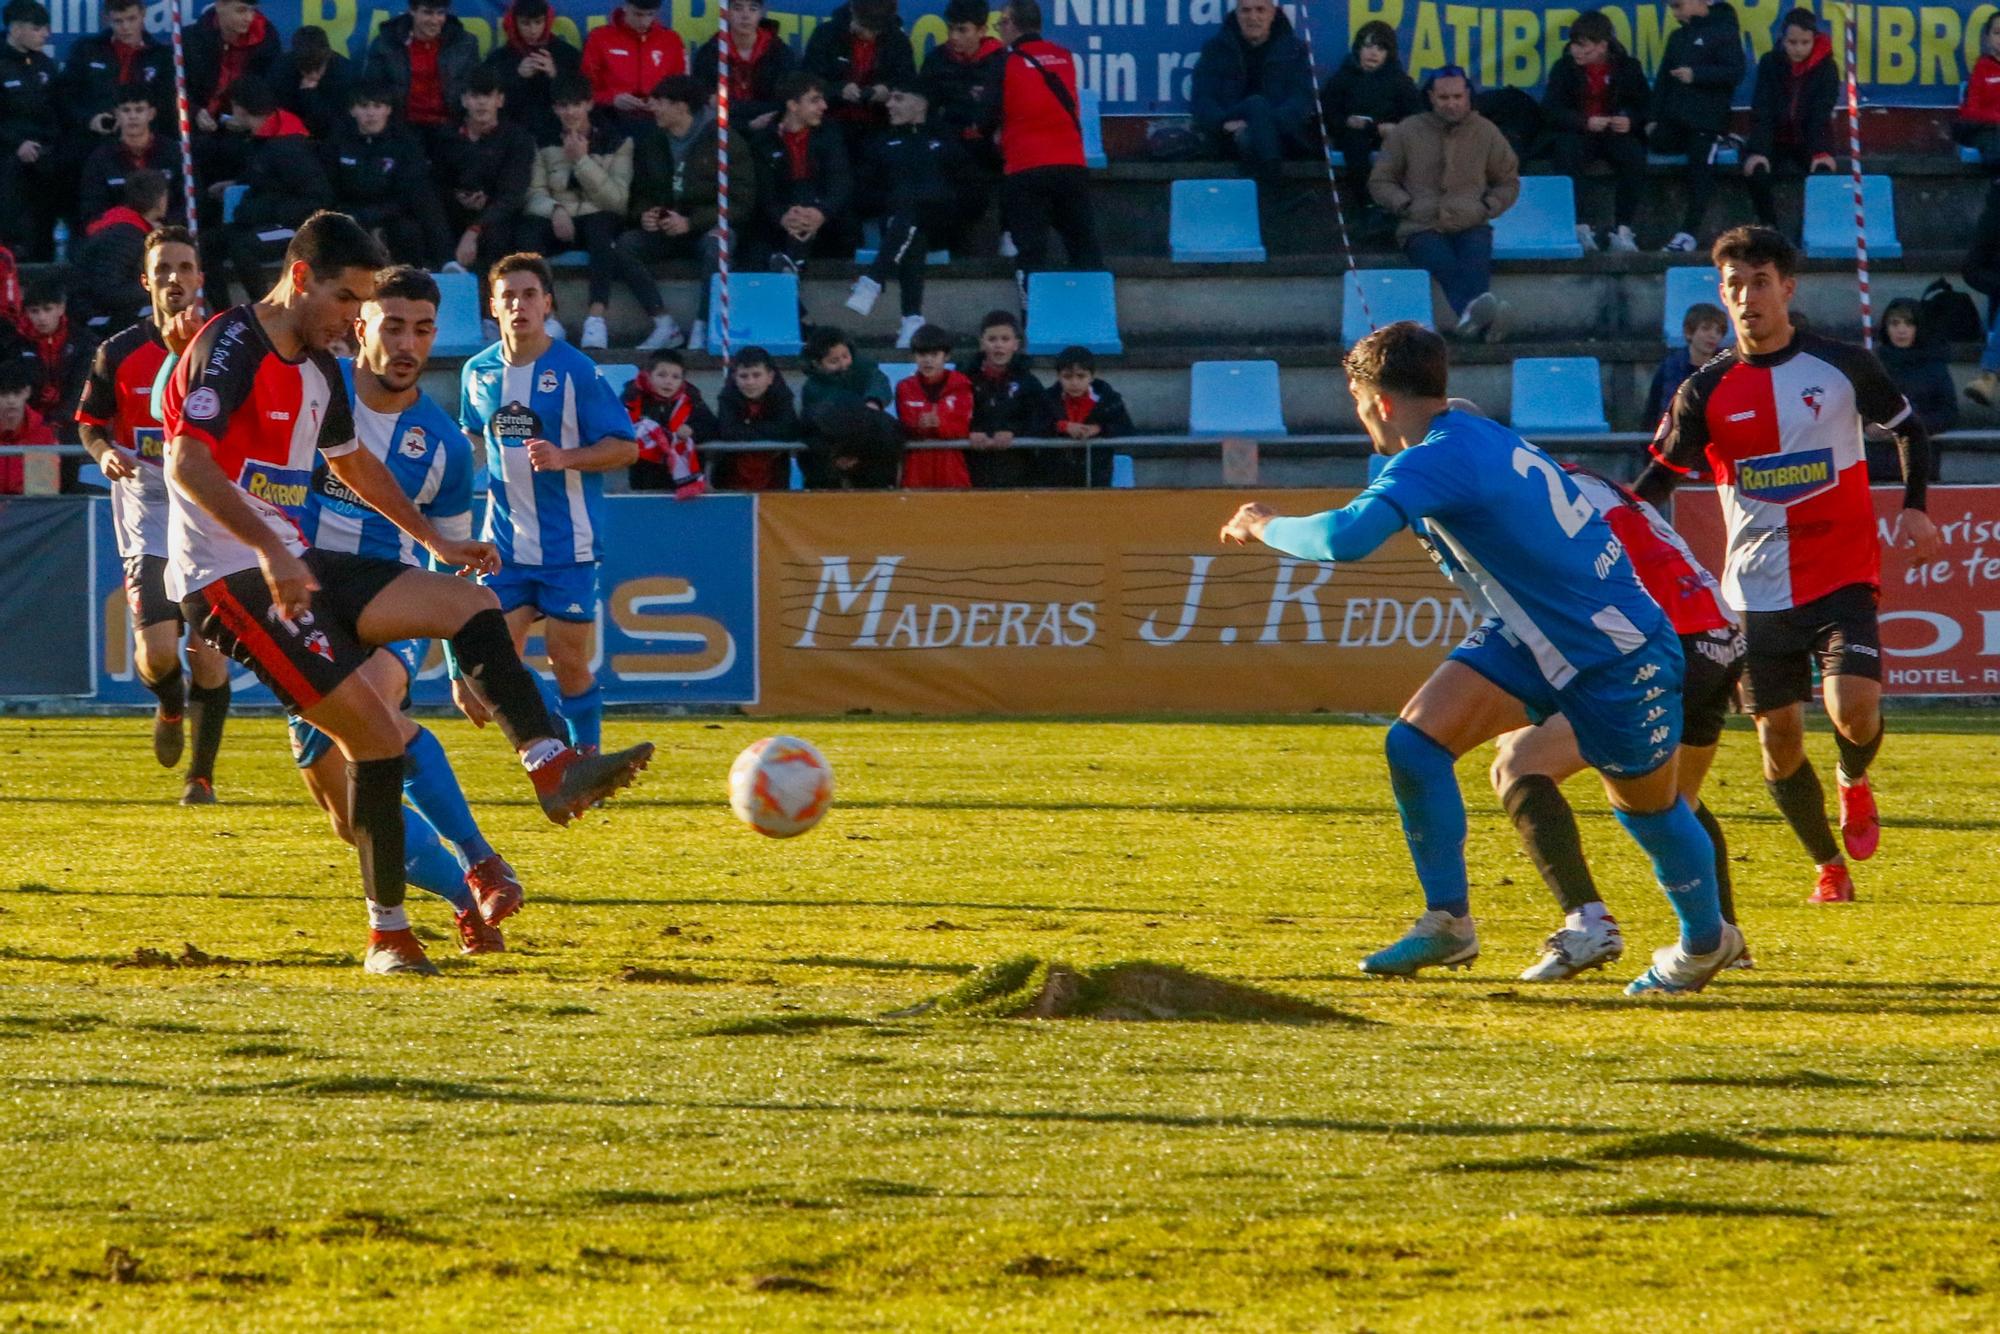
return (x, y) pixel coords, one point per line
(429, 866)
(432, 787)
(1425, 779)
(585, 715)
(1684, 862)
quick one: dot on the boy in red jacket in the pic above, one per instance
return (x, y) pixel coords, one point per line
(19, 423)
(935, 404)
(1978, 123)
(626, 58)
(672, 420)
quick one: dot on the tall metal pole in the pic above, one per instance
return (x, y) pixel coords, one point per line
(723, 55)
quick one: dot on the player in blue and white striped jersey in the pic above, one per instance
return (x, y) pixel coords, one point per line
(550, 428)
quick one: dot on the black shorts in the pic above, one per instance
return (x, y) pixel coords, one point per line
(146, 592)
(1714, 665)
(301, 661)
(1838, 631)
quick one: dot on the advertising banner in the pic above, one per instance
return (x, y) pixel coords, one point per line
(44, 616)
(1940, 621)
(1082, 602)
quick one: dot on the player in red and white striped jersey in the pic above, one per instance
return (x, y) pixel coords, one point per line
(1778, 421)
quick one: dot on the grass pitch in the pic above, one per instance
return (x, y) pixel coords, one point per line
(681, 1098)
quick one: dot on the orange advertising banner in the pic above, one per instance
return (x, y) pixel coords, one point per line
(1081, 602)
(1941, 620)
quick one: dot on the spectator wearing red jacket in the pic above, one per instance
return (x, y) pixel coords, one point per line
(935, 404)
(759, 60)
(528, 63)
(228, 42)
(661, 397)
(62, 351)
(1085, 408)
(426, 56)
(1978, 123)
(1033, 103)
(19, 423)
(626, 59)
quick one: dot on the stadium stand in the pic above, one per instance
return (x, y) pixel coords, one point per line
(764, 310)
(1235, 398)
(458, 332)
(1686, 286)
(1090, 111)
(1371, 298)
(1066, 309)
(1558, 396)
(1215, 222)
(1542, 223)
(1830, 217)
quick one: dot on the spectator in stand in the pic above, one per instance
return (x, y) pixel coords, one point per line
(1083, 407)
(284, 185)
(935, 403)
(859, 51)
(674, 196)
(109, 294)
(314, 82)
(1703, 328)
(854, 442)
(917, 173)
(483, 173)
(382, 179)
(626, 59)
(759, 60)
(104, 66)
(756, 404)
(956, 76)
(137, 146)
(1978, 122)
(528, 64)
(1008, 402)
(62, 351)
(1699, 72)
(1363, 100)
(231, 41)
(1445, 174)
(662, 395)
(1791, 110)
(425, 57)
(34, 184)
(1032, 102)
(1253, 88)
(1594, 105)
(580, 187)
(20, 424)
(805, 187)
(1920, 364)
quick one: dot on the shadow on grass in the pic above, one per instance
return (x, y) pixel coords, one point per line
(1651, 1206)
(1792, 1081)
(1530, 1164)
(875, 965)
(417, 1090)
(1702, 1144)
(787, 1025)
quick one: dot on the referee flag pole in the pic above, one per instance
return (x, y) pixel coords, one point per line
(1854, 158)
(723, 54)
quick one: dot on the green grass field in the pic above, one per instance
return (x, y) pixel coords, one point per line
(683, 1099)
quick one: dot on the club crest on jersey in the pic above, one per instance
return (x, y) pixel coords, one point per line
(414, 444)
(203, 405)
(546, 383)
(317, 641)
(1814, 397)
(1786, 479)
(516, 422)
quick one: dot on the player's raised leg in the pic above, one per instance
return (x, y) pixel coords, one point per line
(1528, 771)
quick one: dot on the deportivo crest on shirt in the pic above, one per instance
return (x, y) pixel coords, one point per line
(1813, 397)
(414, 443)
(547, 383)
(516, 422)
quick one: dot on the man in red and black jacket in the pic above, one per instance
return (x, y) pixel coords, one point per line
(1791, 111)
(425, 56)
(102, 66)
(805, 185)
(230, 41)
(626, 59)
(528, 64)
(861, 52)
(137, 147)
(956, 75)
(1033, 103)
(759, 60)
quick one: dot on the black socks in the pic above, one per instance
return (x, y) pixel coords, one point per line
(1854, 758)
(375, 805)
(1547, 826)
(208, 710)
(170, 690)
(1725, 893)
(1803, 803)
(486, 657)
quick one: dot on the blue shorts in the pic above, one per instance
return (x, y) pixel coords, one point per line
(560, 592)
(1626, 714)
(309, 743)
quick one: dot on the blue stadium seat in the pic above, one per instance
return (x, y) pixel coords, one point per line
(1687, 286)
(1727, 155)
(1558, 396)
(232, 199)
(618, 374)
(1968, 155)
(1072, 308)
(1830, 217)
(1235, 398)
(1121, 472)
(763, 309)
(458, 332)
(1393, 294)
(1215, 222)
(1542, 223)
(1090, 110)
(897, 371)
(795, 477)
(92, 476)
(569, 259)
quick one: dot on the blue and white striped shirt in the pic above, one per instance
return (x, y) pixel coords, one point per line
(431, 461)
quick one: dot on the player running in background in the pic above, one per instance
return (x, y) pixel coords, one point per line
(122, 433)
(1572, 631)
(432, 463)
(1777, 419)
(252, 404)
(550, 428)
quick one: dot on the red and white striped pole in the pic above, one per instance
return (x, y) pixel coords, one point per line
(186, 124)
(723, 42)
(1854, 157)
(1332, 177)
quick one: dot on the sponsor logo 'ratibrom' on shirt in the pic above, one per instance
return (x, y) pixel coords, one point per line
(282, 487)
(1786, 479)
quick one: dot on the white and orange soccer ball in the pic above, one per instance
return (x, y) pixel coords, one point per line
(780, 786)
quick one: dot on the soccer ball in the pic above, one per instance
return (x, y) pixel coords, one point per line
(780, 786)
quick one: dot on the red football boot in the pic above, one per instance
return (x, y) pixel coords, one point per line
(397, 952)
(476, 936)
(495, 888)
(571, 782)
(1860, 827)
(1835, 885)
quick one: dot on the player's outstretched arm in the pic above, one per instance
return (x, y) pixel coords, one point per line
(193, 471)
(368, 477)
(1343, 534)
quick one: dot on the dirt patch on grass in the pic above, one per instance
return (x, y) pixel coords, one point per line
(1131, 990)
(191, 956)
(674, 977)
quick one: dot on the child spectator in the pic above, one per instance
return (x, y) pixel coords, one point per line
(1595, 104)
(424, 57)
(661, 397)
(1790, 111)
(483, 173)
(1703, 327)
(934, 404)
(756, 404)
(134, 147)
(284, 185)
(230, 42)
(1083, 407)
(528, 64)
(674, 196)
(31, 161)
(1978, 122)
(314, 82)
(626, 59)
(1362, 101)
(109, 294)
(382, 179)
(1699, 72)
(805, 186)
(1253, 88)
(759, 60)
(580, 187)
(1007, 402)
(916, 173)
(1920, 364)
(62, 351)
(859, 52)
(103, 65)
(854, 443)
(20, 424)
(957, 75)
